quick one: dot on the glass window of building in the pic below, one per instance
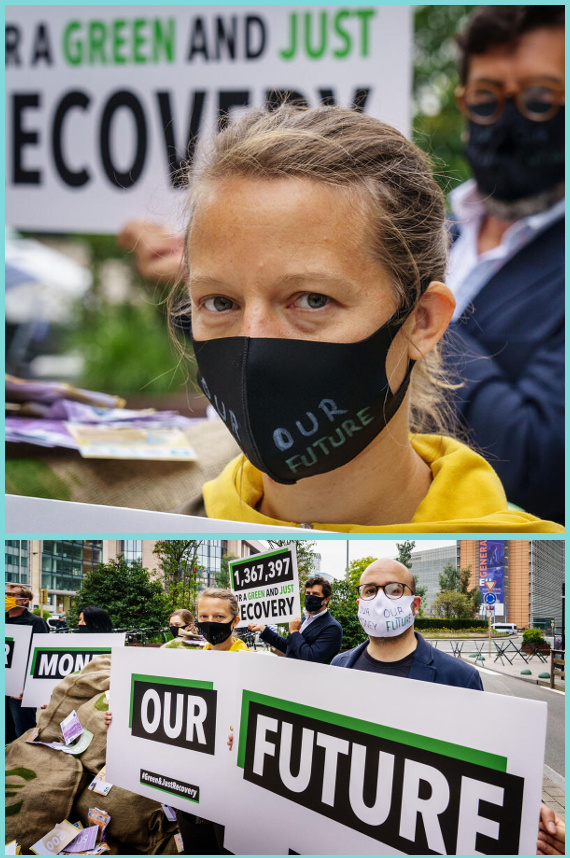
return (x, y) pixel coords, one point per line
(16, 561)
(210, 553)
(132, 550)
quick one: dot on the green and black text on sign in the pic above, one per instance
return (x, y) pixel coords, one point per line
(416, 794)
(174, 711)
(58, 663)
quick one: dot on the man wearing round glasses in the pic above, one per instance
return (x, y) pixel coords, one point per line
(507, 261)
(387, 608)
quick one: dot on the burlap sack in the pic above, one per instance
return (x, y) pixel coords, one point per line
(71, 693)
(91, 715)
(136, 821)
(40, 789)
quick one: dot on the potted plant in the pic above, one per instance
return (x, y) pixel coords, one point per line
(533, 637)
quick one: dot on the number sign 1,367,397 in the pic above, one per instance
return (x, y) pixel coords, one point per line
(267, 570)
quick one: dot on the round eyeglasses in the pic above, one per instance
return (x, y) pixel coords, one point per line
(393, 590)
(483, 102)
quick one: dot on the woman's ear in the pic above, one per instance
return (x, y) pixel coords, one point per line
(429, 321)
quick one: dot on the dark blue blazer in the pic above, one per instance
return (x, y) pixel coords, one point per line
(319, 642)
(508, 349)
(429, 665)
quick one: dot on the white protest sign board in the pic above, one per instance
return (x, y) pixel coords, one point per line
(328, 760)
(267, 586)
(338, 761)
(172, 713)
(17, 645)
(53, 657)
(104, 103)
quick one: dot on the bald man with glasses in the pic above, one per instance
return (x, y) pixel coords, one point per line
(387, 609)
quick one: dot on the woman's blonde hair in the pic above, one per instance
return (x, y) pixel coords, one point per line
(224, 594)
(185, 615)
(394, 187)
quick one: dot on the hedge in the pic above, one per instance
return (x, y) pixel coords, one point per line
(431, 623)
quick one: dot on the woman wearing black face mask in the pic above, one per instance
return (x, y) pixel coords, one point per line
(181, 625)
(217, 615)
(315, 253)
(94, 620)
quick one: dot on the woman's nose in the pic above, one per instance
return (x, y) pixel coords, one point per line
(261, 320)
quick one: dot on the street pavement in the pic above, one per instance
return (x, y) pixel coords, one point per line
(501, 677)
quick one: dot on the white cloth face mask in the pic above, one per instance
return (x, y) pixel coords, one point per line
(382, 617)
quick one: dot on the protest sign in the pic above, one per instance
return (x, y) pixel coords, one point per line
(16, 647)
(267, 586)
(52, 657)
(328, 760)
(104, 103)
(172, 712)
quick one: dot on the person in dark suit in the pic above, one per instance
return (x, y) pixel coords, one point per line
(316, 638)
(506, 342)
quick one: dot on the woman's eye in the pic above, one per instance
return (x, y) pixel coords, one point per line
(313, 300)
(218, 304)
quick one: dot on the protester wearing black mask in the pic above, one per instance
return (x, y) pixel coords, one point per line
(316, 638)
(507, 261)
(94, 620)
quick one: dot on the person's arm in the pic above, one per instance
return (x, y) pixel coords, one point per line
(273, 639)
(551, 833)
(324, 648)
(518, 425)
(158, 251)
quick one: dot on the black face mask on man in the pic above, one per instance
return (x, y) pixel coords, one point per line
(516, 157)
(299, 407)
(313, 603)
(215, 633)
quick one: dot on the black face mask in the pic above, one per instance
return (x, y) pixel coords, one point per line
(215, 633)
(313, 603)
(298, 407)
(174, 630)
(515, 158)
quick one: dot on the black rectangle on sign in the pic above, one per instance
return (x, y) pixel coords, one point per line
(406, 797)
(175, 715)
(9, 649)
(262, 572)
(168, 784)
(54, 664)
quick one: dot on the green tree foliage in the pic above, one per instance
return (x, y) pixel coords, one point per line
(305, 557)
(126, 592)
(533, 636)
(452, 604)
(437, 123)
(405, 552)
(178, 564)
(344, 608)
(450, 578)
(223, 576)
(357, 567)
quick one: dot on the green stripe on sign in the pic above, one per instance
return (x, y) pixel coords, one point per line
(414, 740)
(10, 639)
(96, 649)
(163, 680)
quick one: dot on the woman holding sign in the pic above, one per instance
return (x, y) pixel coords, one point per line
(217, 615)
(316, 249)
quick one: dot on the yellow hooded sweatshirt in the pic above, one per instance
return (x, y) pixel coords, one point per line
(465, 496)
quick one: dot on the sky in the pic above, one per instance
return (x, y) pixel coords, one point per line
(333, 551)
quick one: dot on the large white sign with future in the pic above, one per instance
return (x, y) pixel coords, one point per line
(104, 104)
(327, 760)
